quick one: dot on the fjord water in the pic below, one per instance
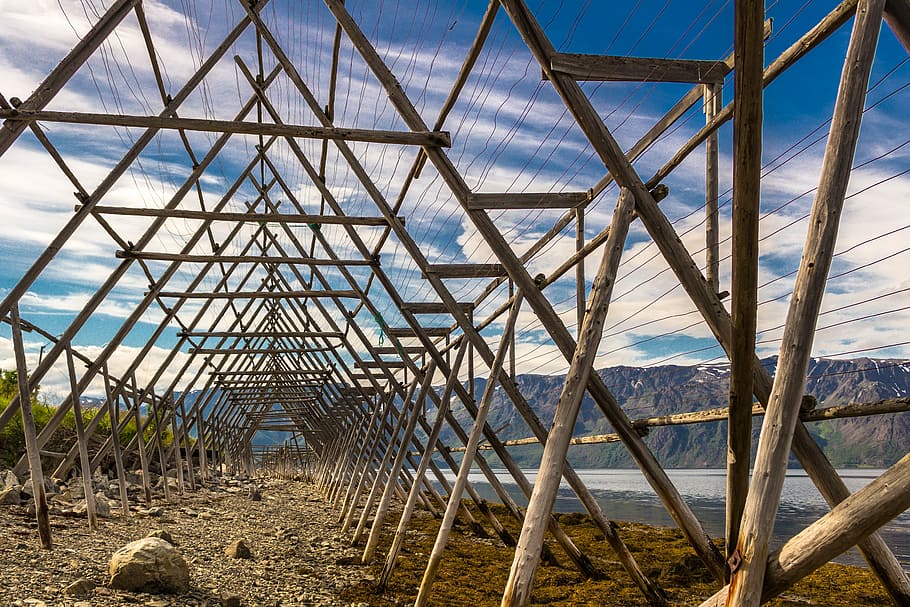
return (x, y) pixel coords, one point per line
(625, 495)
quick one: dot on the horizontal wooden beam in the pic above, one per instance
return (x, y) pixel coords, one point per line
(241, 350)
(275, 372)
(275, 334)
(422, 138)
(467, 270)
(315, 220)
(257, 294)
(538, 200)
(433, 307)
(891, 405)
(405, 349)
(409, 332)
(638, 69)
(382, 364)
(264, 259)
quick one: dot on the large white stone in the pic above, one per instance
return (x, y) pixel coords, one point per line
(149, 564)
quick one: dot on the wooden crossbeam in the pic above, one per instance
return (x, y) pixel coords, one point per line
(637, 69)
(467, 270)
(433, 307)
(405, 349)
(383, 364)
(409, 332)
(310, 261)
(275, 372)
(247, 351)
(246, 217)
(538, 200)
(259, 294)
(425, 138)
(276, 334)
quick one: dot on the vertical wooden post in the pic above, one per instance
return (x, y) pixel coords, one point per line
(178, 457)
(113, 412)
(527, 553)
(581, 296)
(200, 441)
(186, 441)
(28, 429)
(747, 145)
(712, 104)
(140, 443)
(384, 464)
(461, 480)
(85, 461)
(162, 461)
(425, 458)
(782, 412)
(373, 540)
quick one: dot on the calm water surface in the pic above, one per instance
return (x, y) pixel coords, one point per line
(625, 495)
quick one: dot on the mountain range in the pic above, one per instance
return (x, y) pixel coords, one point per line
(871, 441)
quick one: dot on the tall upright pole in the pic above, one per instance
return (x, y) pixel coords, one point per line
(747, 146)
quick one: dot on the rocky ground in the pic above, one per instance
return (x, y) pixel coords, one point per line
(297, 552)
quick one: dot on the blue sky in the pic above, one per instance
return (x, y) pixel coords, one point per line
(510, 133)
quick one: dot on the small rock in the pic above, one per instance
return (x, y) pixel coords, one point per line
(154, 511)
(80, 588)
(238, 550)
(10, 497)
(82, 604)
(255, 495)
(149, 563)
(230, 600)
(164, 535)
(8, 479)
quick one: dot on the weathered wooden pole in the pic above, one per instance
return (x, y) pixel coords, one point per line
(747, 147)
(28, 429)
(113, 412)
(385, 501)
(712, 98)
(844, 526)
(85, 461)
(527, 554)
(461, 480)
(408, 510)
(783, 408)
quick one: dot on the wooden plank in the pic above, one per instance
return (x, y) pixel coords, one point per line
(467, 270)
(409, 332)
(264, 259)
(433, 307)
(381, 364)
(603, 68)
(406, 349)
(245, 217)
(539, 200)
(783, 408)
(427, 138)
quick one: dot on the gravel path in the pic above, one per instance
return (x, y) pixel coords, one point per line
(298, 552)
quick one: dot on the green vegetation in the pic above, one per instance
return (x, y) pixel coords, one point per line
(12, 439)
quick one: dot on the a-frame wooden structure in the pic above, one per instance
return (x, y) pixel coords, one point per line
(280, 292)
